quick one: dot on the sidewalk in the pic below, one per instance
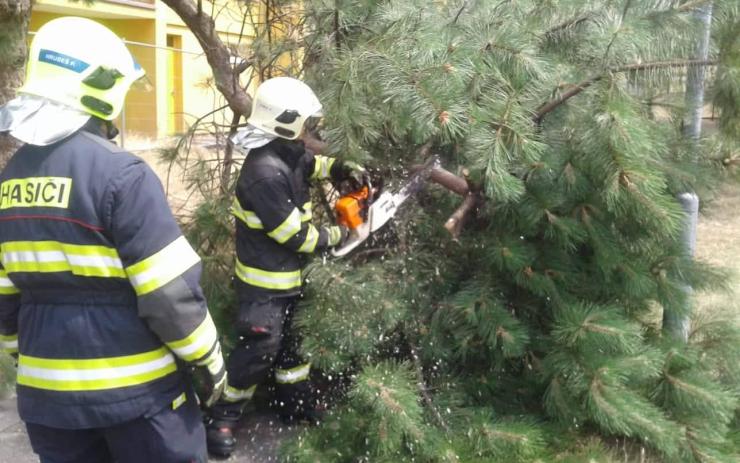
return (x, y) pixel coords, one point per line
(259, 438)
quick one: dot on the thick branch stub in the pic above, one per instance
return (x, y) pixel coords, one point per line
(461, 186)
(447, 179)
(455, 223)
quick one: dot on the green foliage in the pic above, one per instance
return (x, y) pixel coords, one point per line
(539, 328)
(546, 306)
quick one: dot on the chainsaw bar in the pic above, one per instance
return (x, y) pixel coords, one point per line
(385, 206)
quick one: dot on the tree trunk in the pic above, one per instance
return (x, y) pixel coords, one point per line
(14, 16)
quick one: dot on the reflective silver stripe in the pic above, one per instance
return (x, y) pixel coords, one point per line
(6, 286)
(312, 238)
(159, 269)
(55, 256)
(293, 375)
(232, 394)
(249, 218)
(266, 279)
(290, 226)
(197, 344)
(9, 343)
(95, 374)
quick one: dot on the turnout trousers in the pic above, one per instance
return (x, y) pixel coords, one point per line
(174, 434)
(268, 345)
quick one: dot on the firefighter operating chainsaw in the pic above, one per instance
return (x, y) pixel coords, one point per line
(274, 234)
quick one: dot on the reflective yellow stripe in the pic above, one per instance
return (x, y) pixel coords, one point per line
(249, 218)
(159, 269)
(232, 394)
(198, 343)
(54, 256)
(307, 213)
(288, 228)
(312, 237)
(94, 374)
(293, 375)
(335, 235)
(322, 167)
(266, 279)
(9, 343)
(6, 286)
(179, 400)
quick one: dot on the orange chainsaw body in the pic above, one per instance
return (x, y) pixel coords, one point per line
(351, 208)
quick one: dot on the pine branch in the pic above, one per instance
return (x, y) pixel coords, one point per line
(462, 8)
(423, 389)
(578, 88)
(569, 23)
(627, 5)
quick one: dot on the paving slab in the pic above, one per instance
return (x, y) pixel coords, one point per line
(258, 437)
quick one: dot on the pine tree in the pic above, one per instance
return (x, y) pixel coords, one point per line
(533, 333)
(540, 326)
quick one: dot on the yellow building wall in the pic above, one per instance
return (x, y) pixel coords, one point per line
(140, 110)
(150, 113)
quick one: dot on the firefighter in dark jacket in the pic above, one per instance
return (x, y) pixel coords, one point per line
(100, 299)
(274, 233)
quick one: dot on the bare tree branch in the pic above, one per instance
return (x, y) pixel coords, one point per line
(217, 54)
(456, 221)
(578, 88)
(452, 182)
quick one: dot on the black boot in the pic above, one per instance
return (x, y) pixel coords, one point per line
(220, 440)
(220, 424)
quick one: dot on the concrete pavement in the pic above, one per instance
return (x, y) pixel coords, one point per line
(259, 437)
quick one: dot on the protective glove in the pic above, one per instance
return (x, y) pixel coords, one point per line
(338, 235)
(211, 377)
(356, 174)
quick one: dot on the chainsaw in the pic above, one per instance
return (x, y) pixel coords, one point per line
(365, 210)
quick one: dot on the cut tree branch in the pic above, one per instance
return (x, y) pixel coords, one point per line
(456, 221)
(447, 179)
(459, 185)
(217, 54)
(578, 88)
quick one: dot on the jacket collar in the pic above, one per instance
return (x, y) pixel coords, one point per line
(290, 151)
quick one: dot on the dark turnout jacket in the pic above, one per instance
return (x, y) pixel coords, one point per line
(99, 290)
(273, 211)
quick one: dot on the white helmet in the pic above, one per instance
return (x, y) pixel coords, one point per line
(81, 64)
(282, 105)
